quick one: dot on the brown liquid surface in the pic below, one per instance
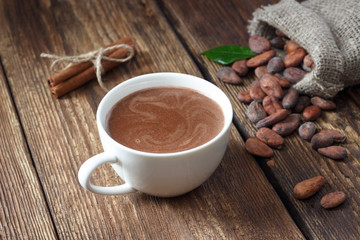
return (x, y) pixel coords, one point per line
(164, 120)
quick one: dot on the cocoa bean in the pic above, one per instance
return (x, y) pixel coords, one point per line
(294, 58)
(270, 137)
(244, 97)
(275, 65)
(332, 199)
(271, 104)
(284, 83)
(303, 102)
(280, 33)
(240, 67)
(311, 113)
(228, 75)
(323, 104)
(288, 125)
(256, 92)
(290, 46)
(259, 44)
(256, 112)
(260, 59)
(333, 152)
(321, 140)
(307, 130)
(271, 76)
(270, 86)
(308, 187)
(305, 68)
(260, 71)
(273, 118)
(277, 42)
(290, 99)
(337, 136)
(256, 147)
(293, 74)
(308, 61)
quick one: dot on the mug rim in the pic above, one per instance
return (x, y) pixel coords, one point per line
(108, 96)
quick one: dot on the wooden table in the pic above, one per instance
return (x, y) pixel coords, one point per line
(44, 140)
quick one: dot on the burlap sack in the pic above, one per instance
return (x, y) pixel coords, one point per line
(328, 29)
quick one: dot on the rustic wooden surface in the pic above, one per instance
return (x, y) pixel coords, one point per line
(44, 141)
(296, 161)
(24, 211)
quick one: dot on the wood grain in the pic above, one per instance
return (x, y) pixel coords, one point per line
(23, 213)
(354, 93)
(204, 25)
(236, 202)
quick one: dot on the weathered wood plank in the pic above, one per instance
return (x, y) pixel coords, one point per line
(61, 134)
(23, 213)
(204, 25)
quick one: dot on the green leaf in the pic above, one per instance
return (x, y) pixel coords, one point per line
(228, 54)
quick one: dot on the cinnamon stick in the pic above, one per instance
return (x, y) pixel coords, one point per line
(80, 73)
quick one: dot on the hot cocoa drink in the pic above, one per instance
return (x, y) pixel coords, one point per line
(164, 120)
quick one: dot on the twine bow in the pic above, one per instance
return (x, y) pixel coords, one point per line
(94, 56)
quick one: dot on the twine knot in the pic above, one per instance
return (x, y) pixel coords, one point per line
(94, 56)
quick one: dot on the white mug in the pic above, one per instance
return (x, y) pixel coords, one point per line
(157, 174)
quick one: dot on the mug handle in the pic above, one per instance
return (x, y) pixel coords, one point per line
(90, 165)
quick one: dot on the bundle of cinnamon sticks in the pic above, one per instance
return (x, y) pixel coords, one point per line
(80, 73)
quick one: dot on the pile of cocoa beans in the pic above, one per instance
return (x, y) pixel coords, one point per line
(278, 110)
(275, 106)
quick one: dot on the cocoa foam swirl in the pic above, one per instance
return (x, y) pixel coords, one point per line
(164, 120)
